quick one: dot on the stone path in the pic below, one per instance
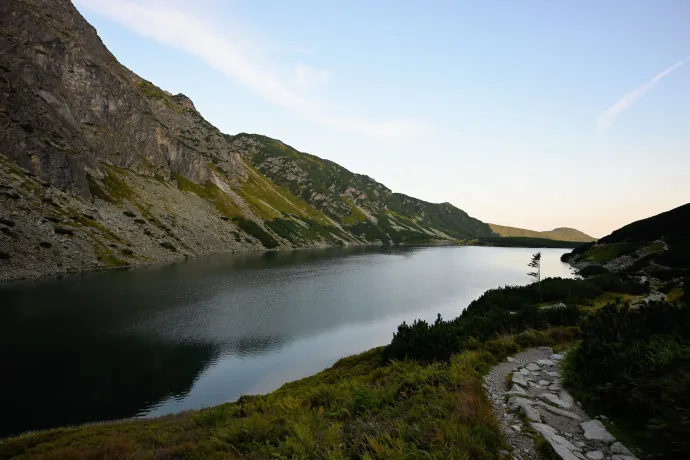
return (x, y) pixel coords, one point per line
(536, 402)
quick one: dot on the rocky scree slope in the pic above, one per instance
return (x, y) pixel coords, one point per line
(101, 168)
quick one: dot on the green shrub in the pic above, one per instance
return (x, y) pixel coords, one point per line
(169, 246)
(256, 231)
(506, 310)
(634, 364)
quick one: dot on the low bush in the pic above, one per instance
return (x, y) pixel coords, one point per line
(506, 310)
(634, 364)
(256, 231)
(169, 246)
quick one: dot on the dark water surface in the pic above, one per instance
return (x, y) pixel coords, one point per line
(162, 339)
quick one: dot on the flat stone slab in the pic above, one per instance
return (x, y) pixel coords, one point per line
(524, 371)
(557, 411)
(553, 374)
(516, 403)
(623, 457)
(565, 397)
(545, 362)
(595, 455)
(544, 383)
(533, 367)
(560, 445)
(619, 448)
(519, 379)
(517, 389)
(596, 431)
(555, 400)
(556, 357)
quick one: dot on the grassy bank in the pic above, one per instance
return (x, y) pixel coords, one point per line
(359, 408)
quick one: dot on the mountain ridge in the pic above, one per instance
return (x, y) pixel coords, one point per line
(657, 246)
(559, 233)
(104, 169)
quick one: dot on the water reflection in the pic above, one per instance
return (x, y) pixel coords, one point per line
(201, 332)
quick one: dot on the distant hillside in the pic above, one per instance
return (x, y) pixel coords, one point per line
(559, 234)
(658, 243)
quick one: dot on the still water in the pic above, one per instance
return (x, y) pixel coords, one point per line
(166, 338)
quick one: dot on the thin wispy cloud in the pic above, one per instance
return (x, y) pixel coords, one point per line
(173, 26)
(608, 116)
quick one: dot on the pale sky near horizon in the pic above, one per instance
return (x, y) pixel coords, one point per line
(534, 114)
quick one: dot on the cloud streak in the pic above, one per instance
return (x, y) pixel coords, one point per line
(238, 59)
(608, 116)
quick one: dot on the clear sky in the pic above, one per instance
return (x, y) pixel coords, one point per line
(535, 114)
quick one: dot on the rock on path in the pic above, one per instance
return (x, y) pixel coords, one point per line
(536, 398)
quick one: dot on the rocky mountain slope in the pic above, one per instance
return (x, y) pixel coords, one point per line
(656, 245)
(559, 234)
(101, 168)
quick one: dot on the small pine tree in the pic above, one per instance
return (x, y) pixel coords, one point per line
(535, 264)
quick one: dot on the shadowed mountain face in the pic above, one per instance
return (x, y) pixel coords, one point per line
(102, 168)
(658, 245)
(559, 234)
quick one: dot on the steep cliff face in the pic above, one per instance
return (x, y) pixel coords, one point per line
(101, 168)
(68, 106)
